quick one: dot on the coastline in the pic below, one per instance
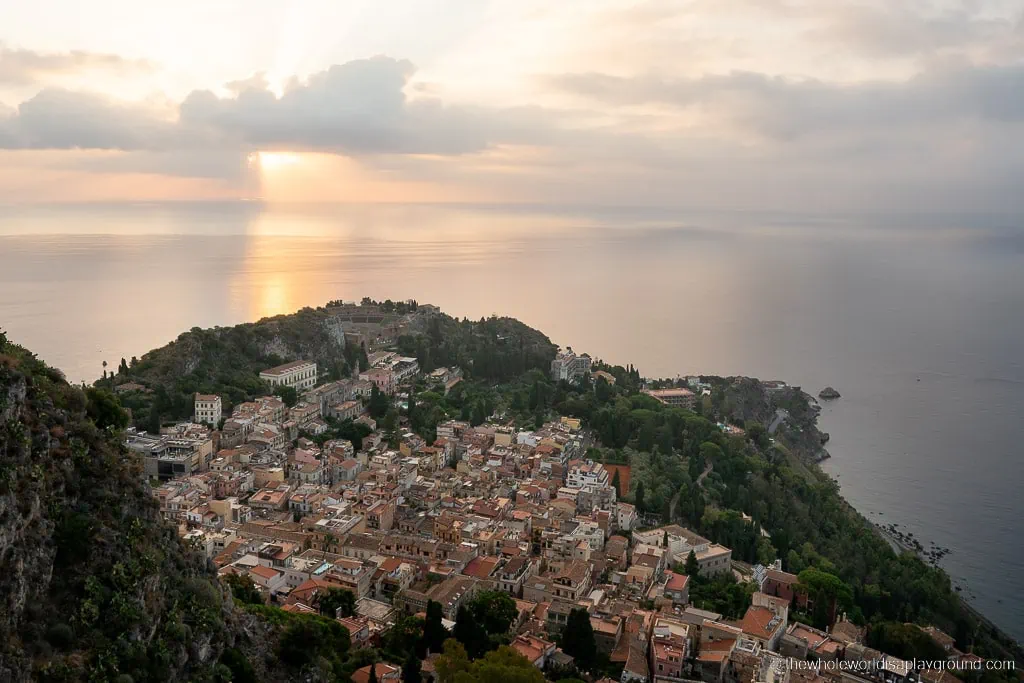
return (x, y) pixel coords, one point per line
(901, 543)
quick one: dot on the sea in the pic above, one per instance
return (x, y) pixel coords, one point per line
(916, 319)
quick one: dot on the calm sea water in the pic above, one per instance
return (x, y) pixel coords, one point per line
(918, 321)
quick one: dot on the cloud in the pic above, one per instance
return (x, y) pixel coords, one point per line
(62, 119)
(21, 67)
(790, 107)
(356, 108)
(953, 132)
(899, 28)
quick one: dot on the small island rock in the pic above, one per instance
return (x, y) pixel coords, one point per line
(828, 393)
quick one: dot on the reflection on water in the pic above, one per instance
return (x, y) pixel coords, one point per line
(866, 305)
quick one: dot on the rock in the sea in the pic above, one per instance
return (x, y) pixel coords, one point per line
(828, 394)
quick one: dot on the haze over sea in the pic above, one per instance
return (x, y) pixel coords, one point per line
(917, 320)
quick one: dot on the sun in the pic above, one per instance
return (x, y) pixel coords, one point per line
(269, 161)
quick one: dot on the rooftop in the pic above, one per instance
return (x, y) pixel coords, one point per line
(287, 367)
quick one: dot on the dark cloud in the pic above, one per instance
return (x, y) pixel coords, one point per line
(20, 67)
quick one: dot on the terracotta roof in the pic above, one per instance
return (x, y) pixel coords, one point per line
(759, 622)
(264, 572)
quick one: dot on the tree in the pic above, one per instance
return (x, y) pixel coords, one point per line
(243, 589)
(411, 412)
(478, 415)
(639, 497)
(307, 637)
(405, 636)
(337, 600)
(373, 673)
(287, 394)
(412, 669)
(434, 632)
(470, 633)
(378, 404)
(692, 567)
(616, 483)
(578, 639)
(494, 611)
(104, 409)
(905, 641)
(503, 664)
(364, 360)
(828, 592)
(453, 661)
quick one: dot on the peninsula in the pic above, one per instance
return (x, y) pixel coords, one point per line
(377, 491)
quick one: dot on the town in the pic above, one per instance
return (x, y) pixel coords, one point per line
(295, 513)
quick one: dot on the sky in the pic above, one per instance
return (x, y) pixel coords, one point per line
(864, 105)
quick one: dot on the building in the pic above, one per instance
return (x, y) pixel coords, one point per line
(668, 648)
(208, 409)
(568, 366)
(680, 398)
(168, 457)
(299, 375)
(764, 625)
(625, 517)
(346, 410)
(677, 588)
(712, 558)
(589, 473)
(536, 650)
(381, 672)
(383, 378)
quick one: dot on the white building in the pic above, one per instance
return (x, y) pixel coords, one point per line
(299, 375)
(568, 366)
(587, 474)
(626, 516)
(208, 409)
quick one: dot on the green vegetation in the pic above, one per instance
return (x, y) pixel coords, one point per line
(691, 568)
(503, 664)
(243, 590)
(764, 498)
(829, 594)
(434, 631)
(578, 639)
(905, 641)
(482, 624)
(287, 394)
(492, 349)
(721, 593)
(494, 611)
(94, 584)
(118, 574)
(337, 601)
(227, 360)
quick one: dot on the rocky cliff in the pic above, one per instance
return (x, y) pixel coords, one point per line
(93, 585)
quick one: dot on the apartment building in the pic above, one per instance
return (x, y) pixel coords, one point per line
(568, 366)
(299, 375)
(208, 409)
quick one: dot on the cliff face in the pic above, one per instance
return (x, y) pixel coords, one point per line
(93, 585)
(790, 414)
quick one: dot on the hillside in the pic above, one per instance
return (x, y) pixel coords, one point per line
(93, 585)
(227, 360)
